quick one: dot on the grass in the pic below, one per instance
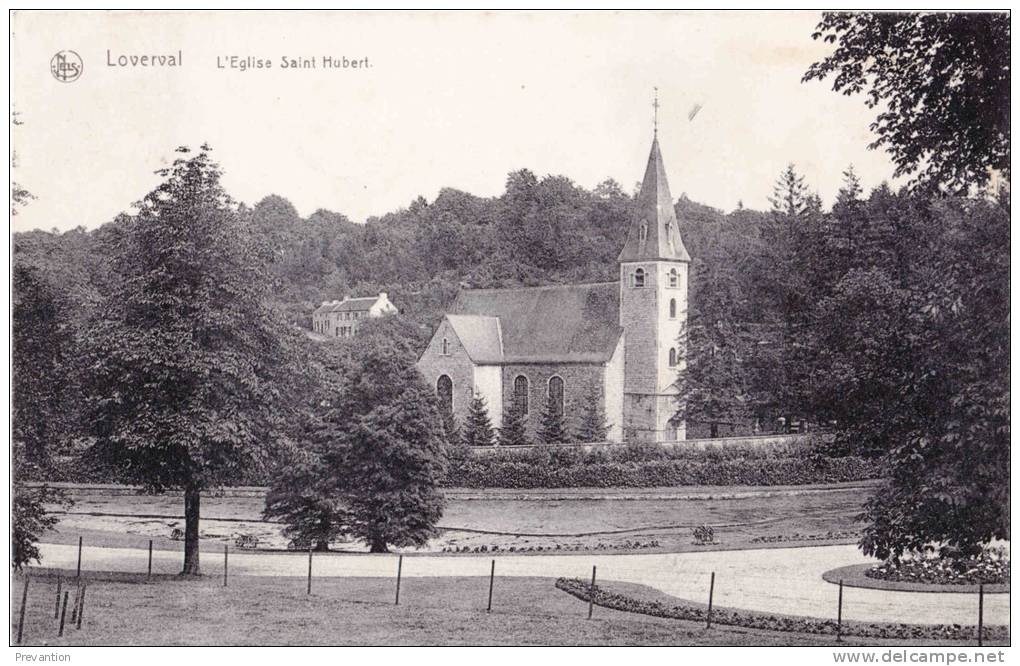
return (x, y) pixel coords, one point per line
(509, 521)
(124, 609)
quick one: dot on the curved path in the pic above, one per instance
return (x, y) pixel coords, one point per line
(775, 580)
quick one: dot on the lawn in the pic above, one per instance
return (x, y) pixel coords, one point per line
(475, 519)
(125, 610)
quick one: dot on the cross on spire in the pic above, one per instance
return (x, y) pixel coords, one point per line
(655, 112)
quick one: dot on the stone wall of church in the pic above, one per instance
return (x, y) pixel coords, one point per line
(456, 364)
(578, 381)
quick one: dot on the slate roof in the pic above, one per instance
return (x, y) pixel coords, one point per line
(577, 323)
(481, 337)
(348, 305)
(654, 211)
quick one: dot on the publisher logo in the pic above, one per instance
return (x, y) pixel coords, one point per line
(66, 66)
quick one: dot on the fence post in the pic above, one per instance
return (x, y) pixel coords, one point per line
(81, 606)
(400, 566)
(56, 606)
(224, 565)
(63, 613)
(309, 571)
(21, 613)
(839, 614)
(78, 575)
(74, 605)
(492, 576)
(711, 591)
(148, 574)
(981, 614)
(591, 593)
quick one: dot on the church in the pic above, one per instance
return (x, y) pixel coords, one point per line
(616, 342)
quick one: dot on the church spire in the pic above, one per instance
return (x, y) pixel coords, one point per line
(654, 233)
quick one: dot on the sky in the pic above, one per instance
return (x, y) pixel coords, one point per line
(447, 100)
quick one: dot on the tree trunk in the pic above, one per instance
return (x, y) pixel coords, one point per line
(192, 496)
(379, 545)
(321, 546)
(713, 430)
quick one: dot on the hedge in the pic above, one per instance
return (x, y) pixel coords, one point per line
(758, 620)
(634, 466)
(571, 468)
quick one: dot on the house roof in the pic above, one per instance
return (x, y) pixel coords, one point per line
(654, 211)
(347, 305)
(576, 323)
(480, 335)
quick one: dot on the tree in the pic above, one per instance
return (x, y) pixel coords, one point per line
(383, 445)
(914, 367)
(188, 361)
(29, 519)
(451, 429)
(552, 430)
(593, 426)
(43, 364)
(513, 431)
(943, 81)
(302, 497)
(477, 429)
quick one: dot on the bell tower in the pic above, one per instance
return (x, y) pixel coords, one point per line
(653, 309)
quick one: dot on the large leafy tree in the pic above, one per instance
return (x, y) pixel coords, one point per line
(44, 364)
(941, 84)
(913, 366)
(384, 446)
(187, 361)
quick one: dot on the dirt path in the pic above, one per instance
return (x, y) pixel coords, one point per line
(778, 580)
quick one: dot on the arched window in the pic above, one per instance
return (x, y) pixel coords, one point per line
(556, 393)
(446, 347)
(672, 308)
(639, 277)
(672, 357)
(674, 279)
(521, 394)
(643, 232)
(444, 391)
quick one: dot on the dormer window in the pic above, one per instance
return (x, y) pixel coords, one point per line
(638, 279)
(674, 279)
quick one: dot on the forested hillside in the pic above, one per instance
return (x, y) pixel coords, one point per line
(772, 294)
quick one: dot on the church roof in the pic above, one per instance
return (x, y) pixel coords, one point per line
(654, 233)
(480, 335)
(577, 323)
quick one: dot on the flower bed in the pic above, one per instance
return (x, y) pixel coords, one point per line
(991, 567)
(757, 620)
(783, 538)
(571, 547)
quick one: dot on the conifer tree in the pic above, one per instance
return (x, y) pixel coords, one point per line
(593, 425)
(513, 432)
(552, 430)
(477, 427)
(451, 429)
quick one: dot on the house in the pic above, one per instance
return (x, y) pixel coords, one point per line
(340, 319)
(618, 341)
